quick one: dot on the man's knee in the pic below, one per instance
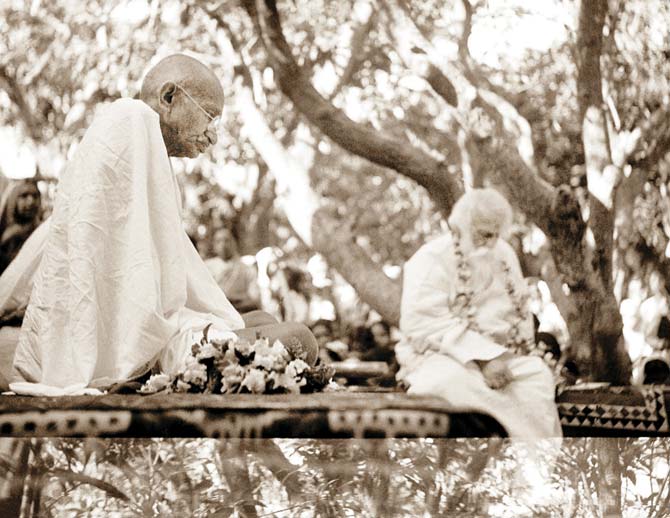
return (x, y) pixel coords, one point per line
(300, 333)
(289, 333)
(538, 369)
(258, 318)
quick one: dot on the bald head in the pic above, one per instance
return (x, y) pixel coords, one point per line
(184, 70)
(187, 96)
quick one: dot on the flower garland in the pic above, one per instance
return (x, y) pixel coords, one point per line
(516, 343)
(233, 366)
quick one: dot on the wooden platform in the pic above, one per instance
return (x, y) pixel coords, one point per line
(606, 411)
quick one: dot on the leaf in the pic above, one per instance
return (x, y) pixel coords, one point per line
(6, 465)
(72, 476)
(203, 485)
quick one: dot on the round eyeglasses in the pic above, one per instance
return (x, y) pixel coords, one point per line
(214, 121)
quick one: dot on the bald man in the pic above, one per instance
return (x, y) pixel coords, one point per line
(115, 285)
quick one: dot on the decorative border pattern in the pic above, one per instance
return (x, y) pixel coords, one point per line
(651, 416)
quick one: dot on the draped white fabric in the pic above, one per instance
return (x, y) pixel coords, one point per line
(437, 348)
(119, 283)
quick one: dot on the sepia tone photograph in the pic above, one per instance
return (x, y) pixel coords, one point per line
(353, 258)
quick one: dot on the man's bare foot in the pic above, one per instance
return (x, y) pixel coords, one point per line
(496, 373)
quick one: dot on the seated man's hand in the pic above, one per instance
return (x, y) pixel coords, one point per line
(496, 373)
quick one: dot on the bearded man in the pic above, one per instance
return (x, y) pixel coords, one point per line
(115, 284)
(465, 325)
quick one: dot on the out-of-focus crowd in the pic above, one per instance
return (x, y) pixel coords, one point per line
(345, 328)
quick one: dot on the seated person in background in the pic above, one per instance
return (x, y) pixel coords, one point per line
(654, 369)
(381, 349)
(238, 280)
(20, 214)
(546, 345)
(119, 286)
(656, 372)
(330, 350)
(465, 326)
(296, 297)
(361, 340)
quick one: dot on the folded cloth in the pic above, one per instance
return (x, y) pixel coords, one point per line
(38, 389)
(8, 338)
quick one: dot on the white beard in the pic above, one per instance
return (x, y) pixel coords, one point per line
(481, 251)
(475, 251)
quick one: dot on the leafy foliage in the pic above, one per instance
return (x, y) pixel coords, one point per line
(203, 477)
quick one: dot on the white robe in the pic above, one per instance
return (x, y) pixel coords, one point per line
(525, 407)
(118, 284)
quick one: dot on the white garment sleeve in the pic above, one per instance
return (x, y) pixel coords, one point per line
(427, 318)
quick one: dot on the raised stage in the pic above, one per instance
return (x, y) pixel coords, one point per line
(594, 411)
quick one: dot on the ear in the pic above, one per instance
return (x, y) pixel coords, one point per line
(166, 94)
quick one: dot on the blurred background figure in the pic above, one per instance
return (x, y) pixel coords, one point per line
(373, 343)
(269, 280)
(650, 328)
(547, 346)
(654, 369)
(237, 279)
(296, 298)
(20, 215)
(330, 348)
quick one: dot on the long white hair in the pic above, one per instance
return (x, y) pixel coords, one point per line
(486, 206)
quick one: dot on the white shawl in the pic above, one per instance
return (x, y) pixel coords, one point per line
(119, 284)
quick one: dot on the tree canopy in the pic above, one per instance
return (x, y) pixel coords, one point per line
(355, 125)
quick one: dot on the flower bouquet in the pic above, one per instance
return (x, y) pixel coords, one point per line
(235, 366)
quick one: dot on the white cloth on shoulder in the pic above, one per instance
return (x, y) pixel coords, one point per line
(119, 285)
(437, 349)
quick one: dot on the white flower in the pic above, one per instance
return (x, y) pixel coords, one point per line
(243, 347)
(296, 368)
(261, 344)
(254, 381)
(182, 386)
(220, 337)
(264, 361)
(279, 349)
(155, 383)
(232, 376)
(207, 351)
(333, 386)
(195, 373)
(234, 373)
(281, 380)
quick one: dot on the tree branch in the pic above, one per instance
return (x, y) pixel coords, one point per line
(654, 140)
(359, 36)
(15, 93)
(416, 53)
(602, 176)
(366, 142)
(508, 156)
(319, 230)
(71, 476)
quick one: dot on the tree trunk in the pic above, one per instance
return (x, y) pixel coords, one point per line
(322, 232)
(325, 234)
(609, 475)
(16, 455)
(605, 346)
